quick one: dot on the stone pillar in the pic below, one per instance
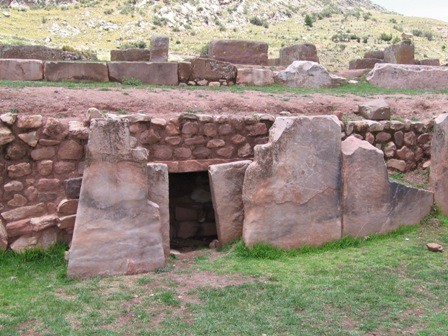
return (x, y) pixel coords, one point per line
(439, 162)
(158, 183)
(117, 230)
(159, 48)
(292, 190)
(226, 184)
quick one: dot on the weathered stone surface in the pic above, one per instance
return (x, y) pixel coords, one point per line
(3, 237)
(13, 186)
(29, 121)
(292, 192)
(70, 150)
(159, 194)
(212, 70)
(226, 184)
(399, 165)
(434, 247)
(24, 212)
(117, 230)
(374, 54)
(67, 207)
(43, 153)
(67, 222)
(377, 109)
(395, 76)
(8, 118)
(239, 51)
(254, 76)
(159, 48)
(55, 129)
(15, 151)
(429, 61)
(439, 162)
(19, 170)
(73, 187)
(6, 135)
(130, 55)
(21, 70)
(17, 201)
(364, 63)
(301, 52)
(162, 73)
(400, 53)
(306, 74)
(43, 239)
(76, 71)
(184, 71)
(372, 204)
(352, 74)
(29, 138)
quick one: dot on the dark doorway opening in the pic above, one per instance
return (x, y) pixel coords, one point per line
(192, 218)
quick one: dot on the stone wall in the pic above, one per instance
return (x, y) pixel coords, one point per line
(42, 159)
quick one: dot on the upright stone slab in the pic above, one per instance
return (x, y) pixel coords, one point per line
(400, 53)
(226, 184)
(292, 192)
(117, 230)
(158, 193)
(372, 204)
(439, 162)
(159, 48)
(301, 52)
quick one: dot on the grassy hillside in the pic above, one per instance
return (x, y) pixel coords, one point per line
(340, 31)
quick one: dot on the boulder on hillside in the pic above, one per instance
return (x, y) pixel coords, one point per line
(400, 76)
(306, 74)
(239, 51)
(302, 52)
(400, 53)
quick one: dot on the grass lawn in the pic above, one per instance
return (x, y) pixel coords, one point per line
(385, 285)
(363, 88)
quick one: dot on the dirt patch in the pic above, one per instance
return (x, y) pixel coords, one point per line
(72, 103)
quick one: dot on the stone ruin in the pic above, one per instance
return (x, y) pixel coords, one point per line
(303, 187)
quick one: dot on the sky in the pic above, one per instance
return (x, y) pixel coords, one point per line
(436, 9)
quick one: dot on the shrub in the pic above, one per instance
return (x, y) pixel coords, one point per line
(308, 21)
(134, 44)
(132, 81)
(386, 37)
(256, 21)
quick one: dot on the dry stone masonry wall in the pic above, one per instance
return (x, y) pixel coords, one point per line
(43, 159)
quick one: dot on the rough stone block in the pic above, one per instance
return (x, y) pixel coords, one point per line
(130, 55)
(364, 63)
(292, 191)
(212, 70)
(159, 48)
(24, 70)
(226, 183)
(76, 71)
(146, 72)
(301, 52)
(400, 53)
(396, 76)
(239, 51)
(377, 109)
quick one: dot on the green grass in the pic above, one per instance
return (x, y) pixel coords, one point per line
(361, 89)
(382, 285)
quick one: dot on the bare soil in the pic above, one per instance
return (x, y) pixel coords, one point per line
(72, 103)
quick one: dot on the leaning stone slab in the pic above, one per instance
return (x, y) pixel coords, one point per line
(239, 51)
(117, 230)
(146, 72)
(226, 183)
(372, 204)
(439, 162)
(397, 76)
(159, 193)
(292, 191)
(76, 71)
(25, 70)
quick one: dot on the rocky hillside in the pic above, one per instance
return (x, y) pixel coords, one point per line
(341, 29)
